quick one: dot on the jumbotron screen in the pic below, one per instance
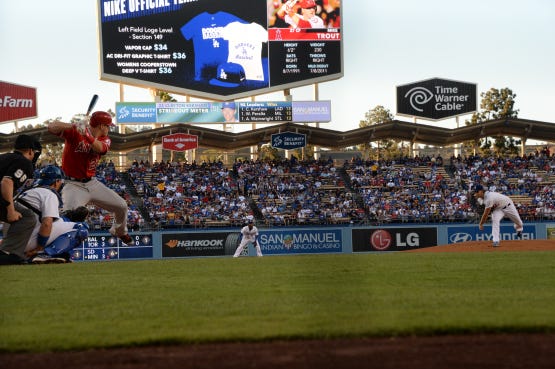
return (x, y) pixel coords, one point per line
(221, 50)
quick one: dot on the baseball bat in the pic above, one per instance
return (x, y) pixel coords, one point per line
(92, 104)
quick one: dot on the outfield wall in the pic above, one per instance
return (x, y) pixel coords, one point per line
(296, 240)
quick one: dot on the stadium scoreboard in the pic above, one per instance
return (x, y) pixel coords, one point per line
(220, 50)
(108, 247)
(265, 111)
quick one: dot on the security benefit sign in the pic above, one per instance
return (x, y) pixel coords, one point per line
(393, 239)
(301, 241)
(288, 140)
(436, 99)
(199, 244)
(179, 142)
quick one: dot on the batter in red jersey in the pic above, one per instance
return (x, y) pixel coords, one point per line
(307, 17)
(84, 145)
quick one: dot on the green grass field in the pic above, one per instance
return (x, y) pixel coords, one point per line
(108, 304)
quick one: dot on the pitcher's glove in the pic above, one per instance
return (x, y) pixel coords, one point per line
(76, 215)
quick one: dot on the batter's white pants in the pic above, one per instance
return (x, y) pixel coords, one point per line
(94, 192)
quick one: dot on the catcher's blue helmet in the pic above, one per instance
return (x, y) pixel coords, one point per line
(49, 175)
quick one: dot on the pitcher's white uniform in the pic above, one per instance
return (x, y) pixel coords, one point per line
(501, 206)
(249, 233)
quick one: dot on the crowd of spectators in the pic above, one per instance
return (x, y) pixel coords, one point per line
(292, 192)
(194, 195)
(319, 192)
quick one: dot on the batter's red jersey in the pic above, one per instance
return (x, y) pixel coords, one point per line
(78, 159)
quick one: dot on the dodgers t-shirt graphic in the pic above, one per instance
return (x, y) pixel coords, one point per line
(211, 49)
(245, 47)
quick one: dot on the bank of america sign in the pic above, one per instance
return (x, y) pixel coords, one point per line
(436, 98)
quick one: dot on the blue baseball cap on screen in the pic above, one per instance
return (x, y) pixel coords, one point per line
(228, 104)
(478, 187)
(228, 75)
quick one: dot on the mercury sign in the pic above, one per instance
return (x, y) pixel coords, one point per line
(436, 99)
(288, 140)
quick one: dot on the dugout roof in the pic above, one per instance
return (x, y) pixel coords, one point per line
(396, 129)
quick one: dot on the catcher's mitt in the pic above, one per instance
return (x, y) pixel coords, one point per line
(78, 214)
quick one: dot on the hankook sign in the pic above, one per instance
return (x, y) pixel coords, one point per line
(436, 99)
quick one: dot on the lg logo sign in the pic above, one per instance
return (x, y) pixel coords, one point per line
(382, 240)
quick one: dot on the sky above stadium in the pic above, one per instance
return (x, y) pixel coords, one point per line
(53, 46)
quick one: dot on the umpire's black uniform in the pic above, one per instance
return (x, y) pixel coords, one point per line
(18, 169)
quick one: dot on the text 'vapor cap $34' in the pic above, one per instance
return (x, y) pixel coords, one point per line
(229, 75)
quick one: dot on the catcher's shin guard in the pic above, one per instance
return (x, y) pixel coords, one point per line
(68, 241)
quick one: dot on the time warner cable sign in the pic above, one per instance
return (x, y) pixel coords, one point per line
(436, 99)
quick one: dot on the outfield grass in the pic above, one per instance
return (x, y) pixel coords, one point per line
(107, 304)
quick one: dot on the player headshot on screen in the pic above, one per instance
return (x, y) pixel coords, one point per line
(301, 14)
(228, 110)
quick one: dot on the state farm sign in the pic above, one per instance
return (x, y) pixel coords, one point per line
(436, 99)
(179, 142)
(17, 102)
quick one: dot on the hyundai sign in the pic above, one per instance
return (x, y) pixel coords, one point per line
(436, 99)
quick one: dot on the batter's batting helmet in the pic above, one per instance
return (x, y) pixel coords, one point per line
(49, 175)
(307, 4)
(101, 117)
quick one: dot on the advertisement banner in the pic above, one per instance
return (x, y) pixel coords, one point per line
(550, 231)
(199, 244)
(436, 98)
(135, 112)
(189, 112)
(311, 111)
(288, 140)
(17, 102)
(179, 142)
(457, 234)
(301, 241)
(215, 112)
(393, 239)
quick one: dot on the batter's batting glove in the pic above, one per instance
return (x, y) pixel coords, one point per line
(81, 126)
(288, 6)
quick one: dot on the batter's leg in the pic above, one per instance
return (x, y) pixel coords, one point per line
(74, 195)
(109, 200)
